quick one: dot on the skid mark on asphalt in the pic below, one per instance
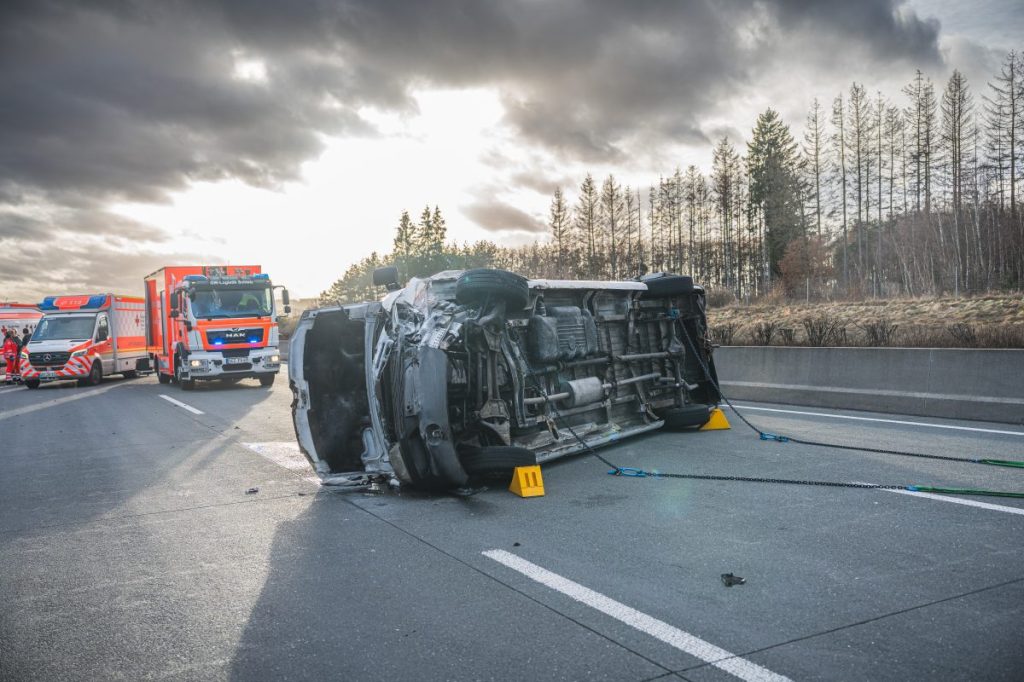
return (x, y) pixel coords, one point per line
(660, 630)
(77, 395)
(284, 454)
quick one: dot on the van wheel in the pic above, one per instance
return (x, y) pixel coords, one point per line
(186, 384)
(32, 383)
(267, 381)
(684, 418)
(495, 461)
(474, 287)
(95, 375)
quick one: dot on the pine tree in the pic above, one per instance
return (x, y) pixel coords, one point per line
(839, 143)
(585, 222)
(405, 244)
(775, 187)
(612, 215)
(560, 227)
(814, 153)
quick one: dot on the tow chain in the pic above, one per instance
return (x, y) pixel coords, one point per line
(765, 435)
(633, 472)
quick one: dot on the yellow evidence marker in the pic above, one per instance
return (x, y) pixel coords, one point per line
(527, 482)
(717, 421)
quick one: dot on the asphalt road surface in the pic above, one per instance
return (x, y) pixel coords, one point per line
(130, 548)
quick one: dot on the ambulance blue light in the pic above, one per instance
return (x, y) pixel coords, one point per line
(219, 342)
(261, 275)
(47, 303)
(253, 339)
(95, 301)
(195, 278)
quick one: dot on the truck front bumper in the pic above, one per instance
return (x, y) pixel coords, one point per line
(213, 365)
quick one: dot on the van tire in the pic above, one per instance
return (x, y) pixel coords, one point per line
(478, 286)
(95, 375)
(267, 380)
(685, 418)
(32, 383)
(496, 461)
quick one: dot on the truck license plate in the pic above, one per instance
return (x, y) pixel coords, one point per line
(48, 375)
(235, 361)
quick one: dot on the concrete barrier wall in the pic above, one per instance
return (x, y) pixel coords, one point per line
(938, 382)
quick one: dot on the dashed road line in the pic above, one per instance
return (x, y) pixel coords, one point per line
(660, 630)
(77, 395)
(884, 421)
(181, 404)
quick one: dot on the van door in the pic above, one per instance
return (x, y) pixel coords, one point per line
(103, 343)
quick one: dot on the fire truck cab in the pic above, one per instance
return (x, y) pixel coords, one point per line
(85, 338)
(212, 322)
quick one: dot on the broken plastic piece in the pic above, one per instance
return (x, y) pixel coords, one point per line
(772, 436)
(251, 491)
(728, 579)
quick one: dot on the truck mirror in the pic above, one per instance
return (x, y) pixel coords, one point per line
(284, 297)
(287, 310)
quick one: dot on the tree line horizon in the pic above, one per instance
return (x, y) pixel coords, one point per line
(878, 199)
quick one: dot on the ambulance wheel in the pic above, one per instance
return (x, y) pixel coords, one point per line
(160, 376)
(267, 381)
(186, 384)
(95, 375)
(32, 383)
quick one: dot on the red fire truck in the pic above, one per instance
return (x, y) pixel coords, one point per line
(85, 338)
(212, 322)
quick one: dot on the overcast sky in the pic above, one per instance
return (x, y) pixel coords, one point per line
(293, 133)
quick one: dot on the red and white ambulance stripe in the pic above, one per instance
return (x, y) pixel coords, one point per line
(74, 368)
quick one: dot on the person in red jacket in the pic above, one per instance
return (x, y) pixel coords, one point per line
(10, 353)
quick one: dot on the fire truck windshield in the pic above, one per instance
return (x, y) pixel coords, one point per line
(61, 327)
(212, 302)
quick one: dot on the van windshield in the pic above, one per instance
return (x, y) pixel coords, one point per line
(212, 302)
(65, 327)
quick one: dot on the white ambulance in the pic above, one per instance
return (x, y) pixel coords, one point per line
(85, 338)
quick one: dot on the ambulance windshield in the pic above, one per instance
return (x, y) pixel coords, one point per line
(65, 327)
(213, 301)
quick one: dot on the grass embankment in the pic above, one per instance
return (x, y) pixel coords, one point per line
(990, 321)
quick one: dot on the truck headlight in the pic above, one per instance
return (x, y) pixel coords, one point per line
(24, 355)
(196, 363)
(79, 353)
(274, 358)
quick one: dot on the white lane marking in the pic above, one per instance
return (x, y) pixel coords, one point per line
(77, 395)
(284, 454)
(660, 630)
(879, 391)
(955, 500)
(886, 421)
(181, 404)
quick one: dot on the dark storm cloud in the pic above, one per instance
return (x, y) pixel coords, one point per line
(111, 101)
(36, 270)
(495, 215)
(131, 100)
